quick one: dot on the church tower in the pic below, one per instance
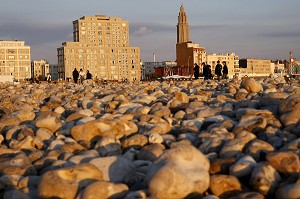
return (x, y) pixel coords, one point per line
(183, 32)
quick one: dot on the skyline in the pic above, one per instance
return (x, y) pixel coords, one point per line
(265, 30)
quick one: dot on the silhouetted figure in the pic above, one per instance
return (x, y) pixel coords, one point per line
(225, 70)
(205, 70)
(196, 71)
(75, 75)
(209, 75)
(218, 70)
(88, 75)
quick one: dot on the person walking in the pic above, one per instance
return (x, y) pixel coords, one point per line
(88, 75)
(196, 71)
(81, 75)
(75, 75)
(225, 70)
(218, 70)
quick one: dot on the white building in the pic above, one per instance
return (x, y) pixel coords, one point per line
(15, 59)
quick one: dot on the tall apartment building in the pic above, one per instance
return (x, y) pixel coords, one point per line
(187, 52)
(100, 45)
(40, 68)
(232, 62)
(255, 67)
(15, 59)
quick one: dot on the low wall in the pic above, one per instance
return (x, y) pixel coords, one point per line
(6, 78)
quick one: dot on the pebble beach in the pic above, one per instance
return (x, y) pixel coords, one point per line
(228, 139)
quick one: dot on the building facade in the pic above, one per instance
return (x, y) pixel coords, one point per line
(255, 68)
(40, 68)
(100, 45)
(53, 71)
(187, 54)
(15, 59)
(232, 62)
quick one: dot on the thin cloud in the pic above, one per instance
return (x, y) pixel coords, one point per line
(142, 31)
(147, 28)
(282, 34)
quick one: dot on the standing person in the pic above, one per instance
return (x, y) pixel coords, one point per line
(48, 78)
(88, 75)
(196, 71)
(205, 71)
(218, 70)
(209, 75)
(81, 75)
(75, 75)
(225, 70)
(36, 79)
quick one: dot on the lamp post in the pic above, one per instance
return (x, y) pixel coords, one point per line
(189, 66)
(252, 67)
(291, 69)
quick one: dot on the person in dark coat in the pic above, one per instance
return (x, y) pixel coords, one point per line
(196, 71)
(225, 70)
(209, 75)
(218, 70)
(88, 75)
(75, 75)
(205, 71)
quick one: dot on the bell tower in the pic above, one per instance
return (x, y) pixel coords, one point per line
(183, 32)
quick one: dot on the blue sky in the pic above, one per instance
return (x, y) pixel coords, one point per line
(263, 29)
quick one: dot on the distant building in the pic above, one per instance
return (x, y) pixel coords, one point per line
(187, 52)
(232, 62)
(162, 68)
(40, 68)
(255, 67)
(296, 66)
(100, 45)
(15, 59)
(54, 71)
(277, 68)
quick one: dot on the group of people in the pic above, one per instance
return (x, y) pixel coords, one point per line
(81, 75)
(220, 71)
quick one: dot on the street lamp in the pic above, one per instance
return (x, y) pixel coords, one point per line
(189, 66)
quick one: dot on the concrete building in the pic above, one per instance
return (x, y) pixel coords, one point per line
(187, 52)
(255, 68)
(40, 68)
(277, 68)
(53, 71)
(296, 66)
(100, 45)
(232, 62)
(15, 59)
